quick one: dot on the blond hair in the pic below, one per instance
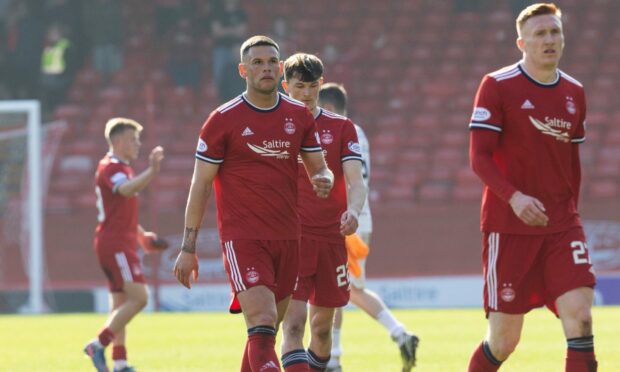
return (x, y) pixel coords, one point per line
(536, 10)
(116, 126)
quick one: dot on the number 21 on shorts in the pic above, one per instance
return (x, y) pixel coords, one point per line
(580, 252)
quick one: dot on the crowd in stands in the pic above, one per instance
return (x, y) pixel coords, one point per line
(45, 42)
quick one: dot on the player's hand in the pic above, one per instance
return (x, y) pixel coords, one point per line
(151, 243)
(186, 265)
(348, 223)
(155, 158)
(529, 209)
(322, 185)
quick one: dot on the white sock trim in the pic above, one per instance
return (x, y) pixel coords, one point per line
(389, 322)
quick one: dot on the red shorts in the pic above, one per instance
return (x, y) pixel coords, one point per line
(523, 272)
(272, 263)
(120, 267)
(323, 273)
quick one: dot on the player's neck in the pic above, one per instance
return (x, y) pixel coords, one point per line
(540, 73)
(262, 100)
(120, 157)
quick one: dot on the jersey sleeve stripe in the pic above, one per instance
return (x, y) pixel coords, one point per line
(578, 140)
(312, 149)
(209, 160)
(571, 79)
(227, 106)
(332, 115)
(292, 100)
(495, 128)
(351, 157)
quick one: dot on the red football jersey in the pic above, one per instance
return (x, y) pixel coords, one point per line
(539, 126)
(118, 215)
(257, 149)
(320, 218)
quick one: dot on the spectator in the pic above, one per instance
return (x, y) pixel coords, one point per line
(228, 28)
(168, 13)
(281, 31)
(183, 64)
(24, 32)
(57, 67)
(516, 6)
(105, 34)
(467, 6)
(229, 86)
(68, 14)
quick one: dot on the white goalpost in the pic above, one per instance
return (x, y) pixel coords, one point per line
(32, 109)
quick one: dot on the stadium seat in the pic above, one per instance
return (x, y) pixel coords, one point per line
(414, 99)
(435, 191)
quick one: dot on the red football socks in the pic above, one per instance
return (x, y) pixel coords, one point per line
(261, 349)
(580, 355)
(480, 362)
(105, 337)
(119, 352)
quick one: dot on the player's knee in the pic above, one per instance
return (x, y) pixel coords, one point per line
(321, 329)
(141, 301)
(504, 346)
(294, 329)
(322, 333)
(266, 318)
(583, 320)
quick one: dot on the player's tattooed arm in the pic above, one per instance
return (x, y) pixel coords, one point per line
(189, 240)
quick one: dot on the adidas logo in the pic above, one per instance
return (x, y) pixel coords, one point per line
(527, 105)
(247, 132)
(269, 365)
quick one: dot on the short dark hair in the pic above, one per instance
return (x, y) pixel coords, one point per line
(536, 10)
(254, 41)
(335, 94)
(303, 66)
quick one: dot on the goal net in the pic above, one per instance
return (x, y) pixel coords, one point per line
(24, 175)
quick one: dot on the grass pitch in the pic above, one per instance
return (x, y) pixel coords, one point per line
(214, 341)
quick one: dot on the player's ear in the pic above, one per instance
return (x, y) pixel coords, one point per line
(281, 68)
(285, 85)
(242, 70)
(520, 43)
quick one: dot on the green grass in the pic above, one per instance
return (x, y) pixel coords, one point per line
(214, 341)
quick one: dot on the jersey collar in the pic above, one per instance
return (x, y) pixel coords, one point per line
(537, 82)
(116, 158)
(256, 108)
(319, 113)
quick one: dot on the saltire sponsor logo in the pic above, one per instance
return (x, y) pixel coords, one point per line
(550, 125)
(274, 148)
